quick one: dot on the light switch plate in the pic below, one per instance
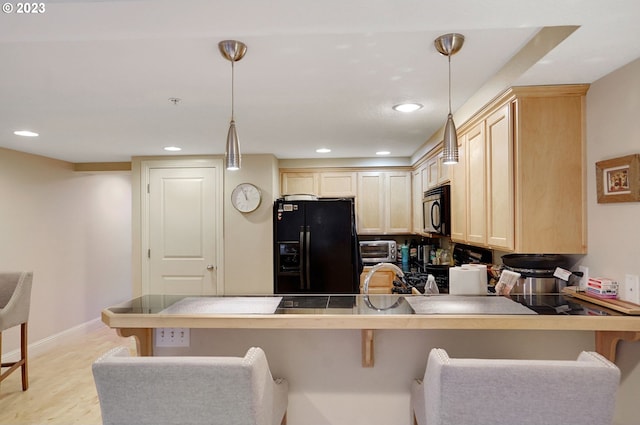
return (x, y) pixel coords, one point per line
(630, 290)
(585, 277)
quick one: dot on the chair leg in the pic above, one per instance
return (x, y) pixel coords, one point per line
(22, 363)
(23, 355)
(284, 419)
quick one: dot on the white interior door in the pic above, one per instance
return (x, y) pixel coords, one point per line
(182, 231)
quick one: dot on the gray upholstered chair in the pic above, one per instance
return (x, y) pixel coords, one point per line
(15, 298)
(189, 390)
(515, 392)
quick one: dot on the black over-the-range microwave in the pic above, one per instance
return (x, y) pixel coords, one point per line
(436, 210)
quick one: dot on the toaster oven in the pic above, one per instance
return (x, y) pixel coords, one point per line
(373, 252)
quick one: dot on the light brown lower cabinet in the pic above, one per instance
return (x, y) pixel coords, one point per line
(380, 283)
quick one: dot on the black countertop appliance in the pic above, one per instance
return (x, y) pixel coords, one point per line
(316, 249)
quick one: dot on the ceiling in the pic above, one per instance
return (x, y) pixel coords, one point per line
(94, 78)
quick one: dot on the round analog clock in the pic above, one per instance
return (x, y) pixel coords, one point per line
(246, 197)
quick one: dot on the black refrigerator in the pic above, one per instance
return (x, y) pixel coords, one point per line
(316, 248)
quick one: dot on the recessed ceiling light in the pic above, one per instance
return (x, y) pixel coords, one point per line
(407, 107)
(25, 133)
(323, 150)
(172, 148)
(383, 153)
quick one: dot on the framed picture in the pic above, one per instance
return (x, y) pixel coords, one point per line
(618, 179)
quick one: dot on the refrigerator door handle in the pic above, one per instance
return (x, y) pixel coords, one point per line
(307, 259)
(302, 263)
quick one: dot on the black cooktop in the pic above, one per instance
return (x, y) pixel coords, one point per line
(544, 304)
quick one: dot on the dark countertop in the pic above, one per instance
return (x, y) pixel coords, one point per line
(542, 304)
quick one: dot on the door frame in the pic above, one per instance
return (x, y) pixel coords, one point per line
(141, 170)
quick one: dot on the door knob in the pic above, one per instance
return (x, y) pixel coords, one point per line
(211, 267)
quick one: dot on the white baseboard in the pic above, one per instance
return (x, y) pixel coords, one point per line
(61, 338)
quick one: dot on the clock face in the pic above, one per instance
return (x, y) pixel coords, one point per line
(246, 197)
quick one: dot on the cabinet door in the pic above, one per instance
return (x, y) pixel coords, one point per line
(432, 172)
(443, 170)
(500, 208)
(338, 184)
(398, 202)
(424, 177)
(298, 183)
(416, 197)
(459, 195)
(476, 188)
(370, 203)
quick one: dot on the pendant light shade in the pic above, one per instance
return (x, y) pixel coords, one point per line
(232, 152)
(450, 142)
(233, 51)
(448, 45)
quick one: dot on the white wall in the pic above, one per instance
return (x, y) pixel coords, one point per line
(248, 238)
(613, 130)
(73, 230)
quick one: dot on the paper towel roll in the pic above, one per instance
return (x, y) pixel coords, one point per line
(483, 270)
(466, 281)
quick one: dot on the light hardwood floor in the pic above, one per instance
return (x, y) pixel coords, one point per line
(61, 388)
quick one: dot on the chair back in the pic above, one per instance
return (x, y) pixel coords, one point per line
(522, 392)
(15, 298)
(186, 390)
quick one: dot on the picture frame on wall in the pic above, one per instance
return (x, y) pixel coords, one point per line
(618, 179)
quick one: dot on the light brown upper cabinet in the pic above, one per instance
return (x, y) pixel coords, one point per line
(429, 173)
(338, 184)
(416, 196)
(383, 204)
(459, 194)
(476, 197)
(328, 184)
(520, 183)
(294, 183)
(434, 172)
(499, 179)
(383, 198)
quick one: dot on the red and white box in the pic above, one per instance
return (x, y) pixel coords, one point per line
(602, 287)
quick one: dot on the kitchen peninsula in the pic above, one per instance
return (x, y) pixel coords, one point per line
(368, 313)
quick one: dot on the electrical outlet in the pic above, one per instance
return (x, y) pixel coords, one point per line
(630, 290)
(582, 285)
(172, 337)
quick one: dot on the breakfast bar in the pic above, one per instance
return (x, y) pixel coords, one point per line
(368, 313)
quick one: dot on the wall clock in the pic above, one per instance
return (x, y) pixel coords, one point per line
(246, 197)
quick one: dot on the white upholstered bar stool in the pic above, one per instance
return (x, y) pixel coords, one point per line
(189, 390)
(515, 392)
(15, 299)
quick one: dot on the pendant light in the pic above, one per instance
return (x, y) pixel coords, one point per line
(449, 45)
(233, 51)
